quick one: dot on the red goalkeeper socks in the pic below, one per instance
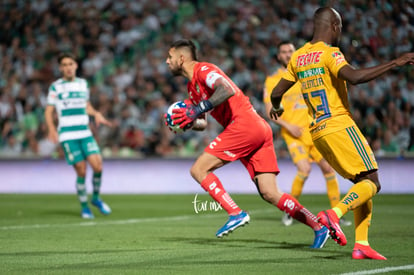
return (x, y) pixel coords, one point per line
(290, 205)
(216, 190)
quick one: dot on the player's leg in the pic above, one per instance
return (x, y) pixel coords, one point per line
(74, 156)
(303, 170)
(262, 167)
(300, 157)
(348, 152)
(366, 183)
(360, 193)
(229, 146)
(94, 159)
(362, 218)
(80, 168)
(302, 173)
(270, 192)
(332, 186)
(202, 171)
(299, 154)
(359, 200)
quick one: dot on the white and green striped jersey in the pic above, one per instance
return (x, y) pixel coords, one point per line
(70, 99)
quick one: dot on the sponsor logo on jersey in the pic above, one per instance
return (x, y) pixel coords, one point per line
(319, 128)
(289, 204)
(338, 56)
(311, 72)
(91, 146)
(230, 154)
(74, 103)
(309, 58)
(213, 186)
(204, 68)
(212, 144)
(351, 197)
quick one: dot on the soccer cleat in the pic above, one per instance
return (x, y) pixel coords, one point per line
(365, 252)
(86, 213)
(344, 222)
(321, 236)
(287, 220)
(329, 219)
(234, 222)
(103, 207)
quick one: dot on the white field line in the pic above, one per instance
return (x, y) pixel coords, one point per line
(381, 270)
(180, 218)
(93, 223)
(119, 222)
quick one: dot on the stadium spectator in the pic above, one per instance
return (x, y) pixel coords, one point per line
(132, 35)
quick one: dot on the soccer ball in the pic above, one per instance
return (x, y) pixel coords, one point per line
(170, 122)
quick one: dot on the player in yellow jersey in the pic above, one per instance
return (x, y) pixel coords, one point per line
(322, 71)
(295, 132)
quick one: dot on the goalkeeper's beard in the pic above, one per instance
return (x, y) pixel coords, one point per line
(177, 71)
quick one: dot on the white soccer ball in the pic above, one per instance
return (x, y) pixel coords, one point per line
(170, 122)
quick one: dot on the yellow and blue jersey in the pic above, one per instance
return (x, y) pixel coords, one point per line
(316, 67)
(296, 111)
(334, 133)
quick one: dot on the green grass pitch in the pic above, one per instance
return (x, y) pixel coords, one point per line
(163, 234)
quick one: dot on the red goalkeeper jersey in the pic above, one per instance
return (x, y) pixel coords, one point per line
(201, 87)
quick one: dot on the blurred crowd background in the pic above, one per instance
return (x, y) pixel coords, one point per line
(122, 47)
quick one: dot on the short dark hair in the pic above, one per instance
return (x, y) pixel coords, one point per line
(284, 42)
(61, 56)
(186, 43)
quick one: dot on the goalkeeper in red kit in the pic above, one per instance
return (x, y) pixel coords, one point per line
(246, 137)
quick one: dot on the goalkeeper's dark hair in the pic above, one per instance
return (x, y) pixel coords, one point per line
(63, 55)
(188, 44)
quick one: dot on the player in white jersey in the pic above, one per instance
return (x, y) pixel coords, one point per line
(69, 97)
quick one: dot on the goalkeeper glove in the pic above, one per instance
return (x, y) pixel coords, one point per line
(185, 116)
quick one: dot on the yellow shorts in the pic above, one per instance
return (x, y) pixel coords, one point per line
(347, 151)
(302, 148)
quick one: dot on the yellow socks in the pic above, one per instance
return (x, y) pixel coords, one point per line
(359, 194)
(297, 184)
(362, 218)
(332, 188)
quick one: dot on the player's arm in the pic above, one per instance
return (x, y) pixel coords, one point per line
(276, 97)
(99, 118)
(51, 128)
(223, 90)
(356, 76)
(294, 130)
